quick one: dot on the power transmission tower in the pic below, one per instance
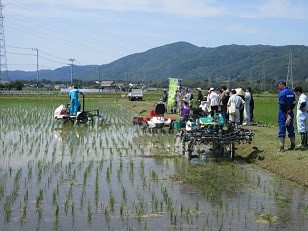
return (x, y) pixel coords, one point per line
(3, 61)
(290, 71)
(72, 63)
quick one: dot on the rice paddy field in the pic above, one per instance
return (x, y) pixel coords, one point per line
(56, 176)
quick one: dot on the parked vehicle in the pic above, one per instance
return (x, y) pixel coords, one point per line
(135, 94)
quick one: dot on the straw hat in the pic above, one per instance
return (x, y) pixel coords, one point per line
(199, 89)
(239, 91)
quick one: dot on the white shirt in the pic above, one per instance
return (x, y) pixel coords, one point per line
(213, 99)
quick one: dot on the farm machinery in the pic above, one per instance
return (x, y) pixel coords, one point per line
(212, 133)
(82, 117)
(156, 122)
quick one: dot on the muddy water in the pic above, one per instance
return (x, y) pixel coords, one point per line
(115, 177)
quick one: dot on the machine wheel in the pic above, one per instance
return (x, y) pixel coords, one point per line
(83, 117)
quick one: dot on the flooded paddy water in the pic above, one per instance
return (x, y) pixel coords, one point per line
(115, 177)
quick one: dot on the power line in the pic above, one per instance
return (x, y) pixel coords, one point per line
(70, 33)
(38, 11)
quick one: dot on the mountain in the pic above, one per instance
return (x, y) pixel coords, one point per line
(186, 61)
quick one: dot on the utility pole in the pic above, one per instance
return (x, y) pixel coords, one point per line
(99, 79)
(290, 70)
(37, 68)
(72, 62)
(3, 61)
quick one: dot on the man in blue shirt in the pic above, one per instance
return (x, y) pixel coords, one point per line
(74, 101)
(287, 102)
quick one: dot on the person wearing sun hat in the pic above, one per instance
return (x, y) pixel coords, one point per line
(286, 102)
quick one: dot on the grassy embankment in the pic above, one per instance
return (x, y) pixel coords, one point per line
(292, 165)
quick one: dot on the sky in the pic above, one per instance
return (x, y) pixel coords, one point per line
(101, 31)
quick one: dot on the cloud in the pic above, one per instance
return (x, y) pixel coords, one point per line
(284, 9)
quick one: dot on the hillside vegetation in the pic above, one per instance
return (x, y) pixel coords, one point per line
(186, 61)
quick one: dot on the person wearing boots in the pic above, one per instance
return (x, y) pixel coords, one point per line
(301, 116)
(287, 102)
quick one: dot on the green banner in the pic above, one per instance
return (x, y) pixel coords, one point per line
(173, 86)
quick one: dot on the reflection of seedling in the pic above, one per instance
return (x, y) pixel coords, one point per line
(57, 213)
(90, 213)
(124, 194)
(108, 175)
(154, 176)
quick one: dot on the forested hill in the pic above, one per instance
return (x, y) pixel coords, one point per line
(186, 61)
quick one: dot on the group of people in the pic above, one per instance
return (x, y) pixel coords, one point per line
(287, 103)
(236, 105)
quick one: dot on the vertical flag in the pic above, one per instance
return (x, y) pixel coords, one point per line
(173, 86)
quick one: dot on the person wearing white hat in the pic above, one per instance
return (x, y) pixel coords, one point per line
(214, 101)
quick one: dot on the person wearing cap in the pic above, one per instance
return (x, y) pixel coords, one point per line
(287, 102)
(301, 116)
(74, 101)
(214, 101)
(200, 96)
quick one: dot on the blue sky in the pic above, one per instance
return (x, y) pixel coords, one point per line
(101, 31)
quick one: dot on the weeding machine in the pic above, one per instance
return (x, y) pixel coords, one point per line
(212, 134)
(83, 116)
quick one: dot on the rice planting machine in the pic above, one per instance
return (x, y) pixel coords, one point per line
(213, 134)
(82, 117)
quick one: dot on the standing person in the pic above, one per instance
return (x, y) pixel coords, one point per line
(200, 96)
(164, 98)
(214, 101)
(74, 101)
(251, 104)
(187, 96)
(185, 111)
(247, 96)
(287, 102)
(235, 103)
(301, 116)
(240, 93)
(179, 96)
(224, 101)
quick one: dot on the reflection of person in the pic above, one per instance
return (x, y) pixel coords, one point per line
(74, 101)
(301, 116)
(286, 101)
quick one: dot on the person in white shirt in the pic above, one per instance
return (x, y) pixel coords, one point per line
(247, 96)
(235, 102)
(301, 116)
(214, 101)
